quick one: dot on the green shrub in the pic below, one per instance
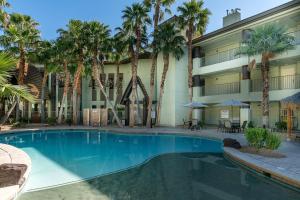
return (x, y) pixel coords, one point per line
(69, 121)
(273, 141)
(281, 125)
(201, 124)
(250, 124)
(51, 121)
(256, 137)
(18, 125)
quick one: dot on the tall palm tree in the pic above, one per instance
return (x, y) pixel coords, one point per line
(135, 20)
(169, 41)
(4, 17)
(20, 38)
(11, 92)
(159, 7)
(98, 35)
(77, 34)
(63, 57)
(268, 41)
(44, 55)
(194, 17)
(118, 53)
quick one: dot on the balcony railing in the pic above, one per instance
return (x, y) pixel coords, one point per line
(219, 57)
(277, 83)
(219, 89)
(232, 54)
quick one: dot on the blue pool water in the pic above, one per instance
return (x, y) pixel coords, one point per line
(60, 157)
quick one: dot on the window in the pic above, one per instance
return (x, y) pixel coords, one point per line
(94, 91)
(103, 79)
(111, 84)
(120, 88)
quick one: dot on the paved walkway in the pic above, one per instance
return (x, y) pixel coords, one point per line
(285, 169)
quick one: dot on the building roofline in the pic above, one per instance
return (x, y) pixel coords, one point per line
(249, 20)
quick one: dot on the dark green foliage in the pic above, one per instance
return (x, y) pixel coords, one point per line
(251, 124)
(273, 141)
(69, 121)
(51, 121)
(281, 125)
(261, 138)
(256, 137)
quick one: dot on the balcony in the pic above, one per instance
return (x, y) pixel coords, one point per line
(220, 57)
(277, 83)
(220, 89)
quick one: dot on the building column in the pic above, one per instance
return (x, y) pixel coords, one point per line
(198, 85)
(245, 92)
(198, 57)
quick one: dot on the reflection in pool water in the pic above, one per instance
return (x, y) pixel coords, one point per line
(60, 157)
(186, 176)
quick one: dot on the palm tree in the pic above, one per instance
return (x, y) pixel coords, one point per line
(20, 38)
(135, 20)
(118, 53)
(77, 35)
(98, 35)
(4, 17)
(157, 5)
(193, 16)
(11, 92)
(63, 57)
(169, 41)
(44, 55)
(268, 41)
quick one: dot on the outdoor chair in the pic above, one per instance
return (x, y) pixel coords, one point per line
(228, 127)
(243, 127)
(221, 126)
(187, 124)
(195, 125)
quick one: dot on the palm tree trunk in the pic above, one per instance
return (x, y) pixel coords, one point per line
(6, 116)
(76, 87)
(97, 78)
(162, 86)
(22, 63)
(133, 93)
(64, 97)
(190, 67)
(154, 64)
(78, 100)
(118, 84)
(266, 87)
(45, 77)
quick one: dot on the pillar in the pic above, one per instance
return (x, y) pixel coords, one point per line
(198, 86)
(245, 92)
(198, 57)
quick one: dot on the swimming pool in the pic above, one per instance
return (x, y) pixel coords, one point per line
(177, 167)
(60, 157)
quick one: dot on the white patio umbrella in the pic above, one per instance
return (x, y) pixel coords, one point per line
(232, 103)
(195, 105)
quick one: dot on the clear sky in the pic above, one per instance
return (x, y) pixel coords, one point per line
(54, 14)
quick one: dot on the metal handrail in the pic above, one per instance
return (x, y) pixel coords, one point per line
(277, 83)
(231, 54)
(219, 89)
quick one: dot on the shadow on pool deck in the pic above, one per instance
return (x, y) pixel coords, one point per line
(188, 176)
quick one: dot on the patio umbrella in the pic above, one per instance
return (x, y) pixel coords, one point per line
(290, 102)
(232, 103)
(195, 105)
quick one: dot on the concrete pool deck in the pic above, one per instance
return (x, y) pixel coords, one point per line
(12, 155)
(285, 169)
